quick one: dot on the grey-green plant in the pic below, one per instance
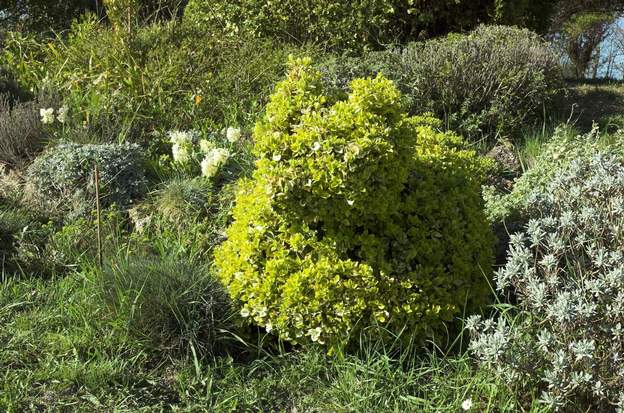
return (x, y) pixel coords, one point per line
(62, 178)
(556, 155)
(489, 82)
(566, 270)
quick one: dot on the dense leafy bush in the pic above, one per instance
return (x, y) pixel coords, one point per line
(63, 177)
(42, 15)
(488, 82)
(566, 268)
(555, 156)
(173, 304)
(360, 24)
(157, 78)
(356, 214)
(22, 133)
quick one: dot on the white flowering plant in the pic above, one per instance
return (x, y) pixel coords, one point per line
(566, 270)
(206, 155)
(50, 115)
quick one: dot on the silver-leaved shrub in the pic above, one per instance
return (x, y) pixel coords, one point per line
(566, 270)
(563, 148)
(61, 179)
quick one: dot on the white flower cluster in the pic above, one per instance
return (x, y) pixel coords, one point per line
(187, 148)
(233, 135)
(47, 115)
(567, 272)
(213, 161)
(182, 145)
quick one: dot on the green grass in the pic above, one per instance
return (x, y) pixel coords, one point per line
(63, 350)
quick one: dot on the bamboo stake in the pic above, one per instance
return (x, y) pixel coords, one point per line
(98, 213)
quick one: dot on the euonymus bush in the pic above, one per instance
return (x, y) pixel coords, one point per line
(356, 215)
(487, 82)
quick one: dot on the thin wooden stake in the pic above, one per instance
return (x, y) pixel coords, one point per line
(99, 217)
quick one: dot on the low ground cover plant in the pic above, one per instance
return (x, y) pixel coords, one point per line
(356, 214)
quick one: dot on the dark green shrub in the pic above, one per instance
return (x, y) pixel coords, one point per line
(42, 15)
(62, 178)
(491, 81)
(356, 215)
(171, 304)
(355, 25)
(10, 88)
(159, 77)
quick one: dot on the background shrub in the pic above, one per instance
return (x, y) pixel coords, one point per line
(566, 270)
(171, 304)
(485, 83)
(9, 88)
(360, 24)
(356, 215)
(62, 177)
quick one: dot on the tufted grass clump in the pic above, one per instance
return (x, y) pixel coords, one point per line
(566, 269)
(169, 303)
(356, 215)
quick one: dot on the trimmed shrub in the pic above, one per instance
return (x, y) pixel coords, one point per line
(62, 177)
(171, 304)
(356, 215)
(566, 270)
(485, 83)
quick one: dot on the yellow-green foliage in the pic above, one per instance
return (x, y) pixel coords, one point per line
(356, 215)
